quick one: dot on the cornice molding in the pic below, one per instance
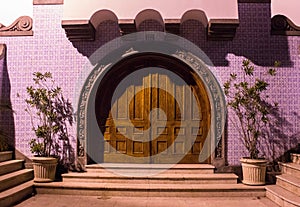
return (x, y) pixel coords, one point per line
(77, 30)
(83, 30)
(2, 51)
(20, 27)
(281, 25)
(48, 2)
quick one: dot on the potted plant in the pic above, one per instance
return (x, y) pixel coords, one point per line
(248, 101)
(50, 116)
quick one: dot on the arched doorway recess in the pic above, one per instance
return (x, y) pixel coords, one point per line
(176, 134)
(152, 50)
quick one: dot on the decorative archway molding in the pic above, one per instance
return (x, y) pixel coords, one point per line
(88, 132)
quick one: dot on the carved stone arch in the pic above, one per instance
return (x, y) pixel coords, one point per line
(149, 14)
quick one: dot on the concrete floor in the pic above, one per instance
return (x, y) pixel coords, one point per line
(46, 200)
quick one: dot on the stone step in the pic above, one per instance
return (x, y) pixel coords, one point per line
(149, 190)
(16, 194)
(220, 178)
(10, 166)
(291, 169)
(295, 158)
(15, 178)
(282, 197)
(267, 202)
(128, 169)
(289, 183)
(7, 155)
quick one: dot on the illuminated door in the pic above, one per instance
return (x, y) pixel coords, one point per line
(154, 116)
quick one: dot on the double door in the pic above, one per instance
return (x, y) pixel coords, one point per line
(155, 117)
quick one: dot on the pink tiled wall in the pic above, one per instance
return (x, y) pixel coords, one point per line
(50, 50)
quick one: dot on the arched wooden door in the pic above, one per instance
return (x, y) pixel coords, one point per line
(154, 111)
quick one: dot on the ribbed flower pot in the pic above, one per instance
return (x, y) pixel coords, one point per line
(254, 171)
(44, 169)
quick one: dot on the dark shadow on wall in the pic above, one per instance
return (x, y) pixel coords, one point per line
(7, 124)
(278, 138)
(253, 38)
(105, 32)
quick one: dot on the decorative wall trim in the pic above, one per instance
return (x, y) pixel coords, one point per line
(281, 25)
(222, 29)
(2, 51)
(21, 27)
(83, 30)
(254, 1)
(48, 2)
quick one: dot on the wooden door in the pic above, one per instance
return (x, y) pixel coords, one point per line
(153, 119)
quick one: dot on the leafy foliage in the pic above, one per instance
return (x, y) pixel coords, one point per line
(51, 114)
(245, 96)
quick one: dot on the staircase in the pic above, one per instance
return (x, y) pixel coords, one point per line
(15, 182)
(286, 192)
(182, 180)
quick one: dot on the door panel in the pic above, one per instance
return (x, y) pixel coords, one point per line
(156, 116)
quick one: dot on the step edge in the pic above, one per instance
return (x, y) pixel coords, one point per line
(291, 165)
(150, 177)
(291, 195)
(193, 187)
(6, 152)
(18, 188)
(155, 166)
(10, 162)
(15, 180)
(291, 182)
(14, 174)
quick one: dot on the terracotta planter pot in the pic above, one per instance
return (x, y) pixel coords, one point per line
(44, 169)
(254, 171)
